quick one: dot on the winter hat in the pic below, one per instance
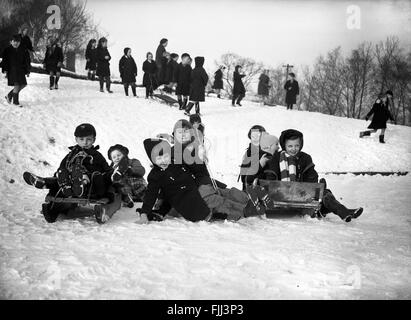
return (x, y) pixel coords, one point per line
(16, 38)
(164, 40)
(237, 67)
(291, 134)
(292, 74)
(185, 55)
(126, 51)
(261, 129)
(101, 41)
(174, 55)
(85, 130)
(156, 147)
(195, 118)
(117, 147)
(199, 61)
(389, 92)
(267, 140)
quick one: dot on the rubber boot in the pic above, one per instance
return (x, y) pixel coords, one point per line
(56, 83)
(252, 210)
(16, 99)
(126, 90)
(102, 85)
(333, 205)
(9, 97)
(365, 133)
(382, 138)
(108, 86)
(133, 89)
(188, 108)
(51, 82)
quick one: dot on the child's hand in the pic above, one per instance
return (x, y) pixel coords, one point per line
(263, 161)
(143, 219)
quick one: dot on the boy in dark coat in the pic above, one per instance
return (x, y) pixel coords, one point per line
(16, 66)
(381, 114)
(91, 58)
(183, 79)
(238, 88)
(103, 65)
(292, 164)
(150, 75)
(218, 81)
(53, 61)
(264, 86)
(176, 183)
(128, 71)
(128, 175)
(83, 173)
(170, 76)
(293, 90)
(161, 49)
(199, 79)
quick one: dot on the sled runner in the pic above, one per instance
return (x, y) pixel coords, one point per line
(293, 198)
(166, 99)
(102, 208)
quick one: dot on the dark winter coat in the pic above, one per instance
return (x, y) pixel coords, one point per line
(218, 80)
(16, 63)
(264, 85)
(199, 79)
(91, 57)
(26, 43)
(183, 78)
(128, 69)
(103, 65)
(170, 74)
(293, 90)
(381, 114)
(150, 74)
(53, 60)
(247, 176)
(238, 87)
(159, 55)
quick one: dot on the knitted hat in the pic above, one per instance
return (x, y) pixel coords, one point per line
(390, 93)
(255, 127)
(199, 61)
(156, 147)
(267, 140)
(117, 147)
(290, 134)
(85, 130)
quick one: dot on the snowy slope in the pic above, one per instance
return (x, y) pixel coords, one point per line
(252, 259)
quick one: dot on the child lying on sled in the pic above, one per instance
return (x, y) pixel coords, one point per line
(292, 164)
(83, 173)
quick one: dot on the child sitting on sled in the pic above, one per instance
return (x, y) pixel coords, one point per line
(292, 164)
(128, 175)
(83, 173)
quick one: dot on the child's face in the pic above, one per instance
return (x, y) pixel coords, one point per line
(150, 57)
(104, 44)
(255, 137)
(15, 44)
(293, 147)
(116, 156)
(182, 135)
(129, 52)
(271, 149)
(185, 60)
(176, 58)
(86, 142)
(163, 161)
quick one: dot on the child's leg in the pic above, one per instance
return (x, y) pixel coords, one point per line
(180, 100)
(51, 79)
(234, 99)
(93, 75)
(108, 83)
(331, 204)
(98, 185)
(235, 195)
(57, 79)
(126, 89)
(185, 102)
(138, 187)
(133, 89)
(197, 107)
(101, 80)
(241, 96)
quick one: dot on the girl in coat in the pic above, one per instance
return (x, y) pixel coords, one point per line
(128, 71)
(199, 79)
(218, 81)
(91, 59)
(16, 65)
(264, 86)
(293, 90)
(159, 56)
(183, 79)
(238, 89)
(150, 75)
(381, 114)
(103, 65)
(53, 61)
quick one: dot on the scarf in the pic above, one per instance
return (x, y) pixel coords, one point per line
(288, 167)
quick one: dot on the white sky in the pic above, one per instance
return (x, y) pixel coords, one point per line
(273, 32)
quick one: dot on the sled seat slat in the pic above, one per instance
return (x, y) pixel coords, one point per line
(79, 201)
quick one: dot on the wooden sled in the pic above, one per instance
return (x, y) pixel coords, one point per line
(102, 208)
(166, 99)
(293, 198)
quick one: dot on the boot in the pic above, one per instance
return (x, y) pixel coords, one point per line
(16, 99)
(188, 108)
(126, 90)
(56, 83)
(252, 210)
(185, 102)
(51, 82)
(331, 204)
(133, 89)
(365, 133)
(101, 85)
(180, 103)
(382, 138)
(197, 108)
(9, 97)
(108, 86)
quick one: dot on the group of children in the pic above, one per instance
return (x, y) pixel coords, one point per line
(179, 182)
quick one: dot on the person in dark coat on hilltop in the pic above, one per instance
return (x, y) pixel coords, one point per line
(293, 90)
(163, 69)
(150, 75)
(218, 81)
(128, 71)
(170, 74)
(381, 113)
(292, 164)
(25, 40)
(53, 61)
(159, 56)
(264, 86)
(103, 65)
(199, 79)
(183, 79)
(238, 88)
(16, 66)
(91, 58)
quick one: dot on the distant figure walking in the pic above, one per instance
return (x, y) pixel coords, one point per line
(238, 89)
(292, 91)
(91, 58)
(199, 79)
(264, 86)
(25, 40)
(218, 81)
(128, 71)
(150, 75)
(53, 61)
(103, 65)
(159, 56)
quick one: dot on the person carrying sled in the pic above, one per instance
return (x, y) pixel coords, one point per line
(218, 81)
(183, 78)
(128, 72)
(83, 173)
(292, 91)
(16, 66)
(91, 58)
(150, 75)
(381, 113)
(292, 164)
(238, 88)
(128, 175)
(103, 65)
(53, 61)
(199, 79)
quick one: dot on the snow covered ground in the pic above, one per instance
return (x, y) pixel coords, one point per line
(252, 259)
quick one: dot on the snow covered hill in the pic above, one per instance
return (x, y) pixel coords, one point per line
(251, 259)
